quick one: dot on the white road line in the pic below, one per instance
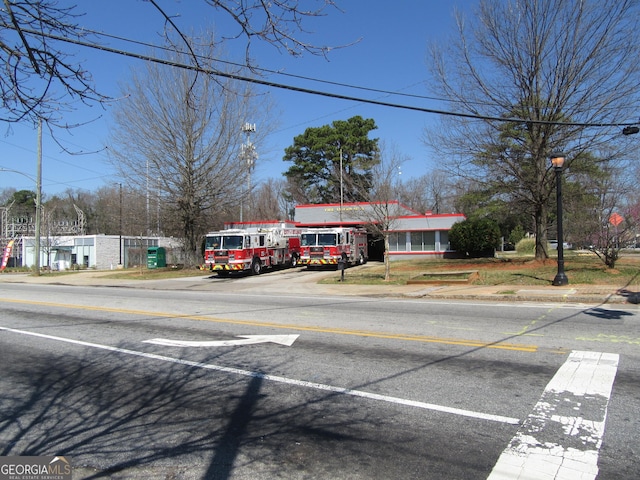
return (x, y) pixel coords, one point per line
(244, 340)
(562, 437)
(277, 379)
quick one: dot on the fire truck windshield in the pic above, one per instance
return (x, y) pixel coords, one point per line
(307, 239)
(228, 242)
(318, 239)
(327, 239)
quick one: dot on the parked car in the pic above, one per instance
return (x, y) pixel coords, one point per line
(554, 245)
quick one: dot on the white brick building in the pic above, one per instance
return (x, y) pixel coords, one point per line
(101, 252)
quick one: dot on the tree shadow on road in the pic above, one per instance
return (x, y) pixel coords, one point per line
(123, 416)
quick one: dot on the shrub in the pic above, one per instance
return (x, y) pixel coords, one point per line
(526, 246)
(516, 234)
(475, 238)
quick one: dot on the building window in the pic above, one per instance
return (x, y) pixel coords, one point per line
(423, 241)
(83, 242)
(397, 242)
(140, 242)
(416, 242)
(429, 239)
(444, 240)
(419, 241)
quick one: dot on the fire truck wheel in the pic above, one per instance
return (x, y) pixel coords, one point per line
(256, 267)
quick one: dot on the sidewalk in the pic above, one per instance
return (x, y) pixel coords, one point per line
(589, 294)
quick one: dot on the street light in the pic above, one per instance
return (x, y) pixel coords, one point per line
(557, 160)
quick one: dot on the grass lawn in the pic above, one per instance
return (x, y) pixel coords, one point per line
(506, 270)
(134, 273)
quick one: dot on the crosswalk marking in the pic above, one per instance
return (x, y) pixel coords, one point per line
(561, 438)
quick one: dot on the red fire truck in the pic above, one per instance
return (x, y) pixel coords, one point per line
(252, 249)
(329, 246)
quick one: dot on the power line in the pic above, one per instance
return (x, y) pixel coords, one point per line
(274, 72)
(297, 76)
(385, 93)
(266, 83)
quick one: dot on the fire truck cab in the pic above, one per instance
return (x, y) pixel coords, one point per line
(330, 246)
(238, 250)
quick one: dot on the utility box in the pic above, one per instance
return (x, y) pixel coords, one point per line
(156, 257)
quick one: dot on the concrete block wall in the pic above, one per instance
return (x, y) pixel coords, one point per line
(107, 252)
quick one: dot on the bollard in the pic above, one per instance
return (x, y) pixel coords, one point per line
(341, 265)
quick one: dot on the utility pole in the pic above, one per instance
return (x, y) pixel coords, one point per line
(249, 155)
(341, 186)
(38, 198)
(148, 218)
(120, 228)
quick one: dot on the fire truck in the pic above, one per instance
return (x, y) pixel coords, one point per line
(330, 246)
(251, 249)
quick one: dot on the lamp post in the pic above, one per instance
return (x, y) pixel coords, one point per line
(557, 160)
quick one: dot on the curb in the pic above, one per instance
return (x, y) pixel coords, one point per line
(598, 295)
(590, 299)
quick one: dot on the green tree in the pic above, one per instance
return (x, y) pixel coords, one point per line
(316, 175)
(24, 203)
(516, 234)
(483, 200)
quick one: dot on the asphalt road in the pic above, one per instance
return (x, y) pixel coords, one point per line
(133, 383)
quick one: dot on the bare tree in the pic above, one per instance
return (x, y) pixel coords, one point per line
(414, 193)
(41, 79)
(6, 195)
(530, 77)
(37, 72)
(120, 209)
(615, 217)
(382, 215)
(268, 201)
(431, 192)
(280, 24)
(109, 209)
(177, 136)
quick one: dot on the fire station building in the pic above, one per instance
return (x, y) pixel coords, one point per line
(411, 234)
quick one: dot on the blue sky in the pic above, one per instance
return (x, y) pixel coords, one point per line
(390, 56)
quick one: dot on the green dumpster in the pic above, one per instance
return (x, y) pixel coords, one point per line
(156, 257)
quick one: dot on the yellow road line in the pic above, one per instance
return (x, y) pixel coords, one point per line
(339, 331)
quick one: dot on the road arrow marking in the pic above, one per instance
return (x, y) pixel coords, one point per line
(245, 340)
(277, 379)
